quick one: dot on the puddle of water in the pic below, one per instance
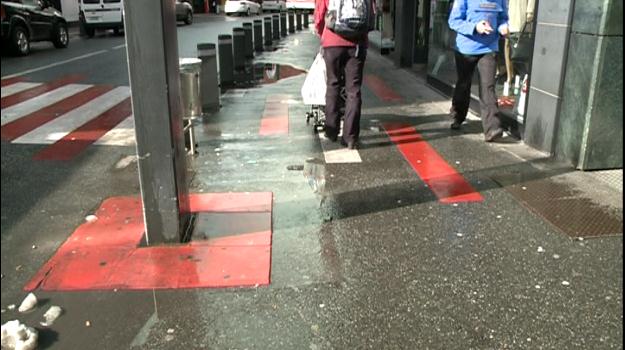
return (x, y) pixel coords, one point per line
(264, 73)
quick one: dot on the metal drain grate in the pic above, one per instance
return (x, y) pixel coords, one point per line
(563, 207)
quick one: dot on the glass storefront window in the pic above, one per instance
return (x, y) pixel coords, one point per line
(514, 58)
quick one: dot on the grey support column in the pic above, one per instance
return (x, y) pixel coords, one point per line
(276, 27)
(291, 22)
(258, 35)
(283, 30)
(298, 20)
(238, 48)
(226, 61)
(209, 84)
(249, 40)
(268, 35)
(152, 49)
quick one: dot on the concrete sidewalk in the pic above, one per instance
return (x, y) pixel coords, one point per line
(375, 250)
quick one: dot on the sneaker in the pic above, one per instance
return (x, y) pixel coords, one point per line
(329, 136)
(455, 125)
(493, 135)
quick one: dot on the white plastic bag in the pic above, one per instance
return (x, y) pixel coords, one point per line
(314, 88)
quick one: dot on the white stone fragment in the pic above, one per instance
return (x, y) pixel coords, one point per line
(91, 218)
(17, 336)
(51, 315)
(28, 303)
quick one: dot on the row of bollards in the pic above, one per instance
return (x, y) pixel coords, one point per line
(202, 81)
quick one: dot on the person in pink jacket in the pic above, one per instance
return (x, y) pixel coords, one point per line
(345, 60)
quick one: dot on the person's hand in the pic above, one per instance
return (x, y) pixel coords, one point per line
(504, 30)
(483, 27)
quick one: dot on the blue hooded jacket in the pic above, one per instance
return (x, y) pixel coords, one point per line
(466, 14)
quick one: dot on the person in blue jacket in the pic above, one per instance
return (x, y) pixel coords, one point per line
(479, 24)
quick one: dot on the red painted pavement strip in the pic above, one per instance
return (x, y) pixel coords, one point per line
(28, 123)
(103, 254)
(275, 119)
(78, 140)
(380, 89)
(22, 96)
(9, 81)
(446, 183)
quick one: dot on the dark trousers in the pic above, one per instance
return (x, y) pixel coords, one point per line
(465, 66)
(348, 63)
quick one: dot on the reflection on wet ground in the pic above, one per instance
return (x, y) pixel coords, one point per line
(263, 74)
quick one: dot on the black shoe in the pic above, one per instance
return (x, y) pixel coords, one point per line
(455, 125)
(329, 136)
(350, 144)
(493, 135)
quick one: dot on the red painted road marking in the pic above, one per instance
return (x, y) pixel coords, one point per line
(275, 117)
(103, 255)
(9, 81)
(380, 89)
(30, 122)
(448, 185)
(75, 142)
(22, 96)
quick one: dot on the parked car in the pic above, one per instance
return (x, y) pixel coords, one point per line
(101, 14)
(274, 5)
(184, 11)
(26, 21)
(304, 5)
(246, 7)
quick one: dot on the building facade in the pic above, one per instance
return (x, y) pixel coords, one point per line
(559, 76)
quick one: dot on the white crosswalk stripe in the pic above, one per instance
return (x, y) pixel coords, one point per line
(121, 135)
(34, 104)
(63, 125)
(17, 87)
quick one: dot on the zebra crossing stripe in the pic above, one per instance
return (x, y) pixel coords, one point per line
(6, 102)
(25, 108)
(121, 135)
(78, 140)
(17, 87)
(30, 122)
(57, 129)
(9, 81)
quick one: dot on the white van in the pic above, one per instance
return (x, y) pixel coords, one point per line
(101, 14)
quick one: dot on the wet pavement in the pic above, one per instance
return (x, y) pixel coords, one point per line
(364, 254)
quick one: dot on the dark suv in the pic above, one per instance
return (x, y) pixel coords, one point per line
(25, 21)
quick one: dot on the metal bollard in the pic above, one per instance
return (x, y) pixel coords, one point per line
(238, 48)
(258, 35)
(283, 24)
(276, 27)
(267, 22)
(226, 69)
(306, 19)
(249, 40)
(291, 23)
(298, 20)
(190, 97)
(209, 84)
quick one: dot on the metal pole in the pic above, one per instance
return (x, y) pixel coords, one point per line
(298, 19)
(283, 29)
(226, 69)
(152, 49)
(306, 19)
(238, 48)
(209, 83)
(291, 23)
(258, 35)
(267, 22)
(276, 27)
(249, 40)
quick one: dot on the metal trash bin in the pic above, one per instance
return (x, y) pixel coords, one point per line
(190, 98)
(190, 87)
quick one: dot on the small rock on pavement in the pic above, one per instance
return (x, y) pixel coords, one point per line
(51, 315)
(28, 303)
(170, 331)
(540, 250)
(91, 218)
(16, 335)
(87, 323)
(566, 283)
